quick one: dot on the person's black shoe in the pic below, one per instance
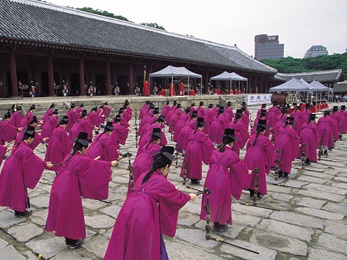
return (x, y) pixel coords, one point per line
(23, 214)
(194, 181)
(308, 161)
(76, 243)
(67, 241)
(259, 195)
(280, 174)
(215, 226)
(251, 193)
(222, 228)
(285, 175)
(325, 152)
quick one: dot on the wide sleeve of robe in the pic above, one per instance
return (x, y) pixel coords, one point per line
(207, 149)
(239, 171)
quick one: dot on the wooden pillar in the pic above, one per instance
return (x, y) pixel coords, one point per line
(262, 84)
(13, 72)
(131, 79)
(82, 82)
(51, 91)
(108, 77)
(206, 82)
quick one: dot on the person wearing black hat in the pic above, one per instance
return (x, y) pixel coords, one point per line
(143, 160)
(166, 108)
(309, 140)
(82, 125)
(16, 117)
(281, 121)
(343, 119)
(228, 113)
(287, 142)
(80, 176)
(225, 179)
(299, 119)
(80, 108)
(127, 114)
(48, 113)
(189, 127)
(217, 127)
(107, 109)
(272, 114)
(8, 132)
(50, 124)
(199, 149)
(95, 119)
(241, 132)
(180, 124)
(120, 133)
(263, 107)
(28, 116)
(335, 118)
(59, 145)
(259, 155)
(326, 132)
(208, 118)
(201, 109)
(170, 113)
(148, 212)
(103, 147)
(175, 117)
(21, 170)
(73, 116)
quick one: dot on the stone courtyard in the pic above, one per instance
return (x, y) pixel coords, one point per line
(300, 218)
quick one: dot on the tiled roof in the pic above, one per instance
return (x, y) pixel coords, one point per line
(321, 76)
(340, 87)
(62, 26)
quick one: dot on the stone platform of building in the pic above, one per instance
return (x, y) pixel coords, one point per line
(306, 220)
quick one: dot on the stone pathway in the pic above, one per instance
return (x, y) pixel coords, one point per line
(306, 220)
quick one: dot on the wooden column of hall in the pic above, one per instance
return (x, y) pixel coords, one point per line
(51, 91)
(82, 82)
(131, 79)
(13, 72)
(108, 78)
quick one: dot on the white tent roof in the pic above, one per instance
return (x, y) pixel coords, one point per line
(229, 76)
(171, 71)
(319, 86)
(291, 85)
(310, 87)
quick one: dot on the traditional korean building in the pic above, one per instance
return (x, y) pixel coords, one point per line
(43, 45)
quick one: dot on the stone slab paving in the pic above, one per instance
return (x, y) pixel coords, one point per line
(306, 220)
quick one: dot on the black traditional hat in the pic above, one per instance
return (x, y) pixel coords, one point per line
(126, 102)
(32, 107)
(81, 105)
(30, 131)
(343, 107)
(290, 120)
(261, 125)
(178, 105)
(167, 102)
(283, 110)
(7, 115)
(175, 103)
(84, 113)
(335, 108)
(194, 114)
(19, 107)
(238, 113)
(109, 127)
(156, 111)
(33, 120)
(55, 112)
(221, 110)
(193, 104)
(294, 104)
(117, 119)
(94, 109)
(263, 105)
(312, 116)
(102, 106)
(161, 119)
(230, 134)
(151, 106)
(120, 111)
(201, 103)
(187, 110)
(52, 105)
(167, 152)
(156, 133)
(106, 103)
(73, 105)
(229, 104)
(148, 102)
(82, 139)
(327, 112)
(200, 122)
(263, 113)
(64, 120)
(210, 106)
(244, 104)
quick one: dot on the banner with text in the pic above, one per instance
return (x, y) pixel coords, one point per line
(256, 99)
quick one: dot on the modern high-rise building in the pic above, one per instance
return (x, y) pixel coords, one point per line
(267, 47)
(316, 50)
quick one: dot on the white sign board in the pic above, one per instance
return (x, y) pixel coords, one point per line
(257, 99)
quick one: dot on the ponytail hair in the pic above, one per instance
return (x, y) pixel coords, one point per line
(158, 163)
(256, 137)
(226, 140)
(154, 138)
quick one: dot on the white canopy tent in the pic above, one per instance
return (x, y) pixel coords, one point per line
(319, 86)
(171, 72)
(226, 76)
(293, 85)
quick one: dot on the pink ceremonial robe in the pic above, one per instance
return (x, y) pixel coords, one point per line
(208, 118)
(49, 126)
(174, 119)
(271, 116)
(26, 119)
(146, 137)
(59, 146)
(149, 211)
(3, 149)
(342, 116)
(48, 113)
(94, 119)
(287, 142)
(225, 177)
(185, 132)
(73, 117)
(102, 146)
(259, 155)
(82, 125)
(228, 114)
(298, 120)
(326, 132)
(37, 140)
(217, 129)
(241, 134)
(8, 132)
(309, 136)
(119, 133)
(179, 125)
(16, 119)
(107, 110)
(199, 149)
(336, 124)
(80, 176)
(22, 170)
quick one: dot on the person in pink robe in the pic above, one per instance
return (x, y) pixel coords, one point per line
(326, 132)
(175, 117)
(201, 109)
(208, 118)
(48, 113)
(148, 212)
(28, 116)
(287, 142)
(181, 123)
(186, 130)
(336, 123)
(281, 121)
(16, 117)
(259, 155)
(217, 127)
(225, 178)
(165, 109)
(143, 161)
(343, 119)
(241, 132)
(228, 113)
(119, 133)
(8, 132)
(102, 146)
(59, 145)
(199, 149)
(82, 125)
(3, 150)
(80, 176)
(50, 124)
(107, 109)
(309, 136)
(21, 170)
(80, 109)
(73, 116)
(38, 138)
(272, 115)
(93, 118)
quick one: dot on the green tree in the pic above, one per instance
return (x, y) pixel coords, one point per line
(154, 25)
(101, 12)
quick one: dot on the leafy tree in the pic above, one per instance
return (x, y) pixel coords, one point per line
(101, 12)
(326, 62)
(154, 25)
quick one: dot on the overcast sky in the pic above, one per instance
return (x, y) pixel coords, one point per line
(299, 23)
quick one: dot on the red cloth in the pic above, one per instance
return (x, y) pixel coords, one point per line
(146, 89)
(79, 176)
(172, 90)
(149, 211)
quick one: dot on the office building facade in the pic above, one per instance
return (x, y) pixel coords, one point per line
(267, 47)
